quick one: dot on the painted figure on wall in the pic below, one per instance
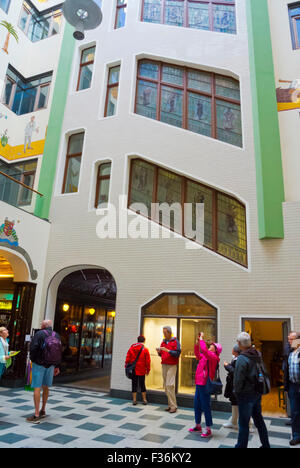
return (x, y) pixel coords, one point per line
(4, 138)
(10, 32)
(8, 234)
(288, 95)
(29, 129)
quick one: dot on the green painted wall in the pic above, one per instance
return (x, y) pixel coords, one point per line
(48, 169)
(269, 176)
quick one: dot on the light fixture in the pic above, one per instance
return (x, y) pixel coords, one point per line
(83, 15)
(66, 307)
(92, 311)
(113, 314)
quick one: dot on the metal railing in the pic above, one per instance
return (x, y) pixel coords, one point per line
(16, 193)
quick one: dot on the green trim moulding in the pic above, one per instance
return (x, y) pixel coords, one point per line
(49, 161)
(269, 175)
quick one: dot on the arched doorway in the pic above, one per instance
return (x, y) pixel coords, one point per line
(85, 318)
(17, 297)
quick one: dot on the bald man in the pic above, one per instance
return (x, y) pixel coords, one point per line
(45, 354)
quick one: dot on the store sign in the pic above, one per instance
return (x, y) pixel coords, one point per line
(8, 234)
(5, 305)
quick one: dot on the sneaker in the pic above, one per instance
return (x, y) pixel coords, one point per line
(206, 434)
(229, 425)
(34, 420)
(196, 429)
(43, 414)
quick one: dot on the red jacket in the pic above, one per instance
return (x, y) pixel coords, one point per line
(172, 358)
(143, 364)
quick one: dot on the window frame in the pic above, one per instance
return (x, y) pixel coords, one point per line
(68, 157)
(186, 90)
(210, 4)
(54, 13)
(184, 182)
(109, 87)
(7, 8)
(100, 178)
(118, 8)
(24, 174)
(83, 65)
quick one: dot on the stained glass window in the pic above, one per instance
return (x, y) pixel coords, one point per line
(232, 238)
(142, 180)
(224, 216)
(196, 100)
(152, 10)
(209, 15)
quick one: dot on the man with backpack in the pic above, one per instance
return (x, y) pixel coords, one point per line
(250, 383)
(46, 355)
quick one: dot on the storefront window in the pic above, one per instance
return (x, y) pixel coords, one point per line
(187, 315)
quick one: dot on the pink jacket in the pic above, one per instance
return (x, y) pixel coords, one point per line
(203, 355)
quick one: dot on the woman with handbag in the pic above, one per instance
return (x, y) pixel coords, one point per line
(4, 350)
(209, 360)
(139, 355)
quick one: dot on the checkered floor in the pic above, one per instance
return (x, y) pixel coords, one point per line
(87, 419)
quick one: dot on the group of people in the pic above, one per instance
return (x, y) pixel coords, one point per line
(247, 379)
(246, 374)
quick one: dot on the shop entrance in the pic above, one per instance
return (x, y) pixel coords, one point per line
(270, 337)
(187, 315)
(85, 317)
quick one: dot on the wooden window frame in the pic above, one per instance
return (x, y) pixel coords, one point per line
(184, 182)
(68, 157)
(28, 173)
(186, 90)
(210, 4)
(100, 178)
(83, 65)
(109, 87)
(118, 8)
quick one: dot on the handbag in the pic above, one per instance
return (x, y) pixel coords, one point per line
(130, 368)
(214, 387)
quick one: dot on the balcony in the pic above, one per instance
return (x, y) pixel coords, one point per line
(17, 193)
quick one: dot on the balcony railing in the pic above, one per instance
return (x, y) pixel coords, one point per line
(16, 193)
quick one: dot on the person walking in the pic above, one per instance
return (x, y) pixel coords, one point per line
(46, 355)
(142, 368)
(292, 386)
(209, 359)
(230, 368)
(169, 351)
(4, 350)
(245, 387)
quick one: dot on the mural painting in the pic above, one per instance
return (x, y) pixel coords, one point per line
(288, 95)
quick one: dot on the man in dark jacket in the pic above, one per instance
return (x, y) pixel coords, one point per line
(45, 357)
(292, 386)
(245, 389)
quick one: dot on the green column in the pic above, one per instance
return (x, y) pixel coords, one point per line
(52, 143)
(269, 176)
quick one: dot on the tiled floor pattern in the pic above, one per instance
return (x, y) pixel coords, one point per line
(94, 420)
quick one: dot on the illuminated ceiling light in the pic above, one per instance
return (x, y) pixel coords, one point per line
(92, 311)
(6, 276)
(83, 15)
(113, 314)
(66, 307)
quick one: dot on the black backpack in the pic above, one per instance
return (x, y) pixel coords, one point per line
(52, 349)
(262, 379)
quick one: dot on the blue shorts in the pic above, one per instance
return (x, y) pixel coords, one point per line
(42, 377)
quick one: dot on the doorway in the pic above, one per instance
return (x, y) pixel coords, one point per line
(85, 318)
(187, 315)
(269, 337)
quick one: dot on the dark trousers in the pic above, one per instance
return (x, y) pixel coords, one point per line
(138, 381)
(250, 407)
(294, 397)
(202, 405)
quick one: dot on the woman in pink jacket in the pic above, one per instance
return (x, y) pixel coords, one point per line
(208, 358)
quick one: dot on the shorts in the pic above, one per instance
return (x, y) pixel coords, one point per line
(42, 377)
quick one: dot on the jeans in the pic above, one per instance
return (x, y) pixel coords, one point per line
(250, 406)
(202, 405)
(294, 396)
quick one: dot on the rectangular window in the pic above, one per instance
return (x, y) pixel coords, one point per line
(121, 14)
(294, 12)
(73, 163)
(209, 15)
(103, 183)
(24, 96)
(86, 68)
(38, 26)
(112, 91)
(224, 216)
(202, 102)
(4, 5)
